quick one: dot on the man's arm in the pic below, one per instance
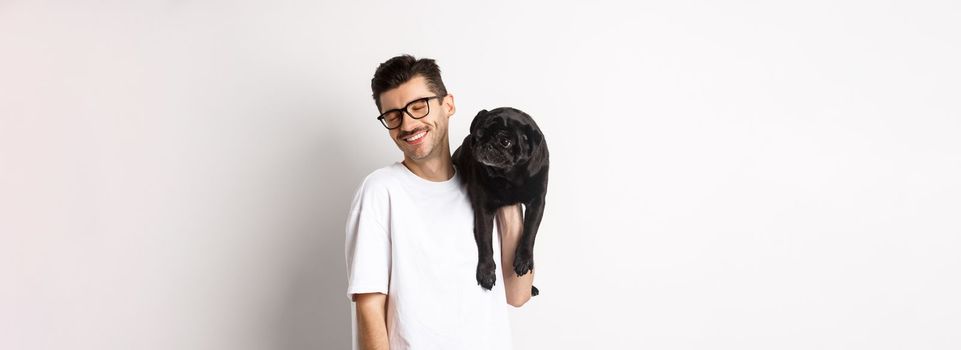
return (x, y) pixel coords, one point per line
(510, 224)
(372, 321)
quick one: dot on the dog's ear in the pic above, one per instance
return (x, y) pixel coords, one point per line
(536, 149)
(476, 122)
(532, 137)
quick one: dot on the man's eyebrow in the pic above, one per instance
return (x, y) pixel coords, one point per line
(389, 109)
(405, 104)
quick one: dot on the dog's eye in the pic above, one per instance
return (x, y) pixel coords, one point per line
(505, 142)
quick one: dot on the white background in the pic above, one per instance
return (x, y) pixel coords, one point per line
(725, 175)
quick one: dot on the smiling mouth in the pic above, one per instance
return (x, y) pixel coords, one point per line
(416, 138)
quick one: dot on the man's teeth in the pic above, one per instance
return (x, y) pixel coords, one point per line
(416, 136)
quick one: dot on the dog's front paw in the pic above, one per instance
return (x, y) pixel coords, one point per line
(485, 274)
(523, 262)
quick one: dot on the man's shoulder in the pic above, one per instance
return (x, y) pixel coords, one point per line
(379, 179)
(383, 175)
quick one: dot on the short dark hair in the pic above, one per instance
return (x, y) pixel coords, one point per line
(398, 70)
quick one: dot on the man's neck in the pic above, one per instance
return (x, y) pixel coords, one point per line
(436, 169)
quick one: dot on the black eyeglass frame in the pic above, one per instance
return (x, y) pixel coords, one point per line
(425, 99)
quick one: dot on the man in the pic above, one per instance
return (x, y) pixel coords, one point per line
(411, 255)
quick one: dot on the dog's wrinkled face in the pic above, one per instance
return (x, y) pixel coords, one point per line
(500, 139)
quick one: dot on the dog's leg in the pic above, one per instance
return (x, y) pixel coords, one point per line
(483, 235)
(524, 254)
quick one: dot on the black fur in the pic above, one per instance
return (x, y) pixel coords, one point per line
(504, 161)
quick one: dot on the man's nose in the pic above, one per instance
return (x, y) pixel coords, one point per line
(407, 123)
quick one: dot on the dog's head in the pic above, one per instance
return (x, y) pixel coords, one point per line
(506, 138)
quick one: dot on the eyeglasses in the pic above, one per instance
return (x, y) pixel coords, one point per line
(416, 109)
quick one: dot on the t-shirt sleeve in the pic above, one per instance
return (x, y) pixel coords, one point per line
(367, 247)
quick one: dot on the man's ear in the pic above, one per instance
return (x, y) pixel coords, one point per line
(453, 108)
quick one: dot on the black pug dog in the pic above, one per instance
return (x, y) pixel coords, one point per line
(504, 161)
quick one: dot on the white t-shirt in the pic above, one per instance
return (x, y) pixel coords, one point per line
(413, 239)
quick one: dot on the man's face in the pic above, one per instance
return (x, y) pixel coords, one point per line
(432, 127)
